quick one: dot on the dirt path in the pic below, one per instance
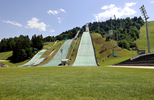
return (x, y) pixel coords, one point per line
(4, 60)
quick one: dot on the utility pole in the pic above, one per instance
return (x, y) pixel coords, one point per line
(112, 36)
(111, 28)
(144, 13)
(116, 30)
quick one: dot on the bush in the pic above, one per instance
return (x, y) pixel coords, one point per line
(124, 44)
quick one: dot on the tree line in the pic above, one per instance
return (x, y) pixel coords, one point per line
(22, 46)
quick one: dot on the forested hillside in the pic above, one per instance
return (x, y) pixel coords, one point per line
(127, 29)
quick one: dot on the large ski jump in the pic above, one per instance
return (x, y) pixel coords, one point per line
(85, 55)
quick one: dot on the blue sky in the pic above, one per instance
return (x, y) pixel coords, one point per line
(52, 17)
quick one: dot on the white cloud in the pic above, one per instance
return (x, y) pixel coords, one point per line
(59, 19)
(152, 2)
(105, 7)
(62, 10)
(52, 31)
(130, 4)
(54, 12)
(34, 24)
(13, 23)
(111, 10)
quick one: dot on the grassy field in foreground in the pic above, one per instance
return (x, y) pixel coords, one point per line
(80, 83)
(142, 41)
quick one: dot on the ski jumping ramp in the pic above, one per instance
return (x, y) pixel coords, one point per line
(86, 54)
(59, 56)
(35, 58)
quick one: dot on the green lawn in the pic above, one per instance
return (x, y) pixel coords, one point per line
(79, 83)
(142, 41)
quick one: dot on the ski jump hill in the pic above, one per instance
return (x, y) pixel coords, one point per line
(86, 53)
(35, 59)
(59, 56)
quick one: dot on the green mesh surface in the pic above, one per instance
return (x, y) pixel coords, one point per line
(85, 55)
(38, 61)
(35, 58)
(41, 60)
(40, 53)
(59, 56)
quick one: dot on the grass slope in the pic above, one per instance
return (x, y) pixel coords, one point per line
(48, 45)
(49, 49)
(104, 48)
(142, 41)
(5, 55)
(11, 64)
(81, 83)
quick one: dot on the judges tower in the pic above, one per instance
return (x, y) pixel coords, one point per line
(87, 28)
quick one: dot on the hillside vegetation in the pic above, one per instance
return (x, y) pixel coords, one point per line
(142, 41)
(127, 29)
(104, 48)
